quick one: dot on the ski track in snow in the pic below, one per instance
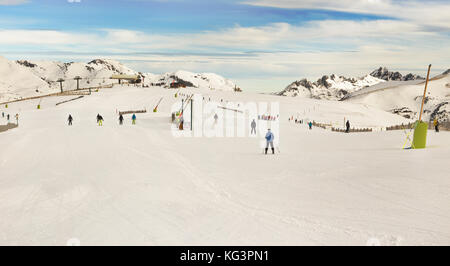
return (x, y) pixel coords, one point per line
(201, 180)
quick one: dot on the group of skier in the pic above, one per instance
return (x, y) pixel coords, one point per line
(269, 135)
(301, 121)
(100, 119)
(310, 124)
(267, 117)
(8, 117)
(297, 121)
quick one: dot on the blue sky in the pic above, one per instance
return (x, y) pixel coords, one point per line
(261, 44)
(159, 16)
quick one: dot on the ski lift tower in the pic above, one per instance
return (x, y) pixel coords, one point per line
(60, 84)
(77, 78)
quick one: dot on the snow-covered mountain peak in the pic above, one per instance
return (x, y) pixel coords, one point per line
(111, 65)
(331, 87)
(27, 78)
(384, 74)
(183, 78)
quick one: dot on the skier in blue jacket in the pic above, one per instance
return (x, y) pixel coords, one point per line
(133, 118)
(270, 138)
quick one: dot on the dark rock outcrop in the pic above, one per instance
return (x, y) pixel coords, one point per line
(26, 63)
(384, 74)
(323, 82)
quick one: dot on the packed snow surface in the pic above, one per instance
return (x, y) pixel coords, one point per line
(133, 185)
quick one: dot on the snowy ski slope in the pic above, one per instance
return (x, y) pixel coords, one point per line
(134, 185)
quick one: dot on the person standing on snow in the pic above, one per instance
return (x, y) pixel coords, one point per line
(348, 126)
(70, 119)
(310, 124)
(121, 119)
(269, 139)
(253, 125)
(100, 120)
(3, 114)
(133, 118)
(436, 125)
(181, 126)
(17, 119)
(7, 116)
(216, 117)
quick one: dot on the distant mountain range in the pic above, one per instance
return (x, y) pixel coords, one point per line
(337, 88)
(328, 87)
(384, 89)
(25, 78)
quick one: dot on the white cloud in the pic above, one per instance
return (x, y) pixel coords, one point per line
(257, 56)
(43, 37)
(430, 13)
(12, 2)
(316, 35)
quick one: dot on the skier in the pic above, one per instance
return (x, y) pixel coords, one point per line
(3, 114)
(253, 125)
(348, 126)
(310, 124)
(269, 138)
(436, 125)
(133, 118)
(7, 117)
(181, 126)
(70, 119)
(216, 117)
(17, 119)
(120, 119)
(100, 120)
